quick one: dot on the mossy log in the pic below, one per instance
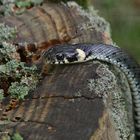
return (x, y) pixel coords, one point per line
(74, 102)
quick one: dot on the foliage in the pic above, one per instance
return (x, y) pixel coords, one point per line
(124, 19)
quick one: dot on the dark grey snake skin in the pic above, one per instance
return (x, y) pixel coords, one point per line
(62, 54)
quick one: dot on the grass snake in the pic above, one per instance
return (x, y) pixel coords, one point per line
(78, 53)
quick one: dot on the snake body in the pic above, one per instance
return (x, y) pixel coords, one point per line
(78, 53)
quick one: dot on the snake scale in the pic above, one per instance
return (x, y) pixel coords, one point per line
(78, 53)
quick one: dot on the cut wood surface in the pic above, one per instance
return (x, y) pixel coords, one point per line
(72, 102)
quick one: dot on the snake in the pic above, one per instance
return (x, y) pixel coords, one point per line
(79, 53)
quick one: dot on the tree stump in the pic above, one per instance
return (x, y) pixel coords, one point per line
(87, 101)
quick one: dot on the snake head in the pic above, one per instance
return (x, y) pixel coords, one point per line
(61, 54)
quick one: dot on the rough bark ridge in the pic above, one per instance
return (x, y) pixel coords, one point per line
(73, 102)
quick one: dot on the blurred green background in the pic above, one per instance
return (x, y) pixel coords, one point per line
(124, 19)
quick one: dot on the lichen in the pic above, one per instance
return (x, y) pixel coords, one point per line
(7, 33)
(17, 6)
(1, 94)
(121, 108)
(105, 83)
(94, 21)
(16, 77)
(21, 89)
(23, 78)
(17, 136)
(118, 101)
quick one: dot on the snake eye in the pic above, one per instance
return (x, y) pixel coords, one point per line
(72, 57)
(60, 56)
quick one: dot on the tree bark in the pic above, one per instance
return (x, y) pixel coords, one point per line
(74, 102)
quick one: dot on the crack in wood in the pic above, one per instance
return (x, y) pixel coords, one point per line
(67, 97)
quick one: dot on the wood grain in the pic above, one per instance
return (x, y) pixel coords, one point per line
(44, 26)
(63, 106)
